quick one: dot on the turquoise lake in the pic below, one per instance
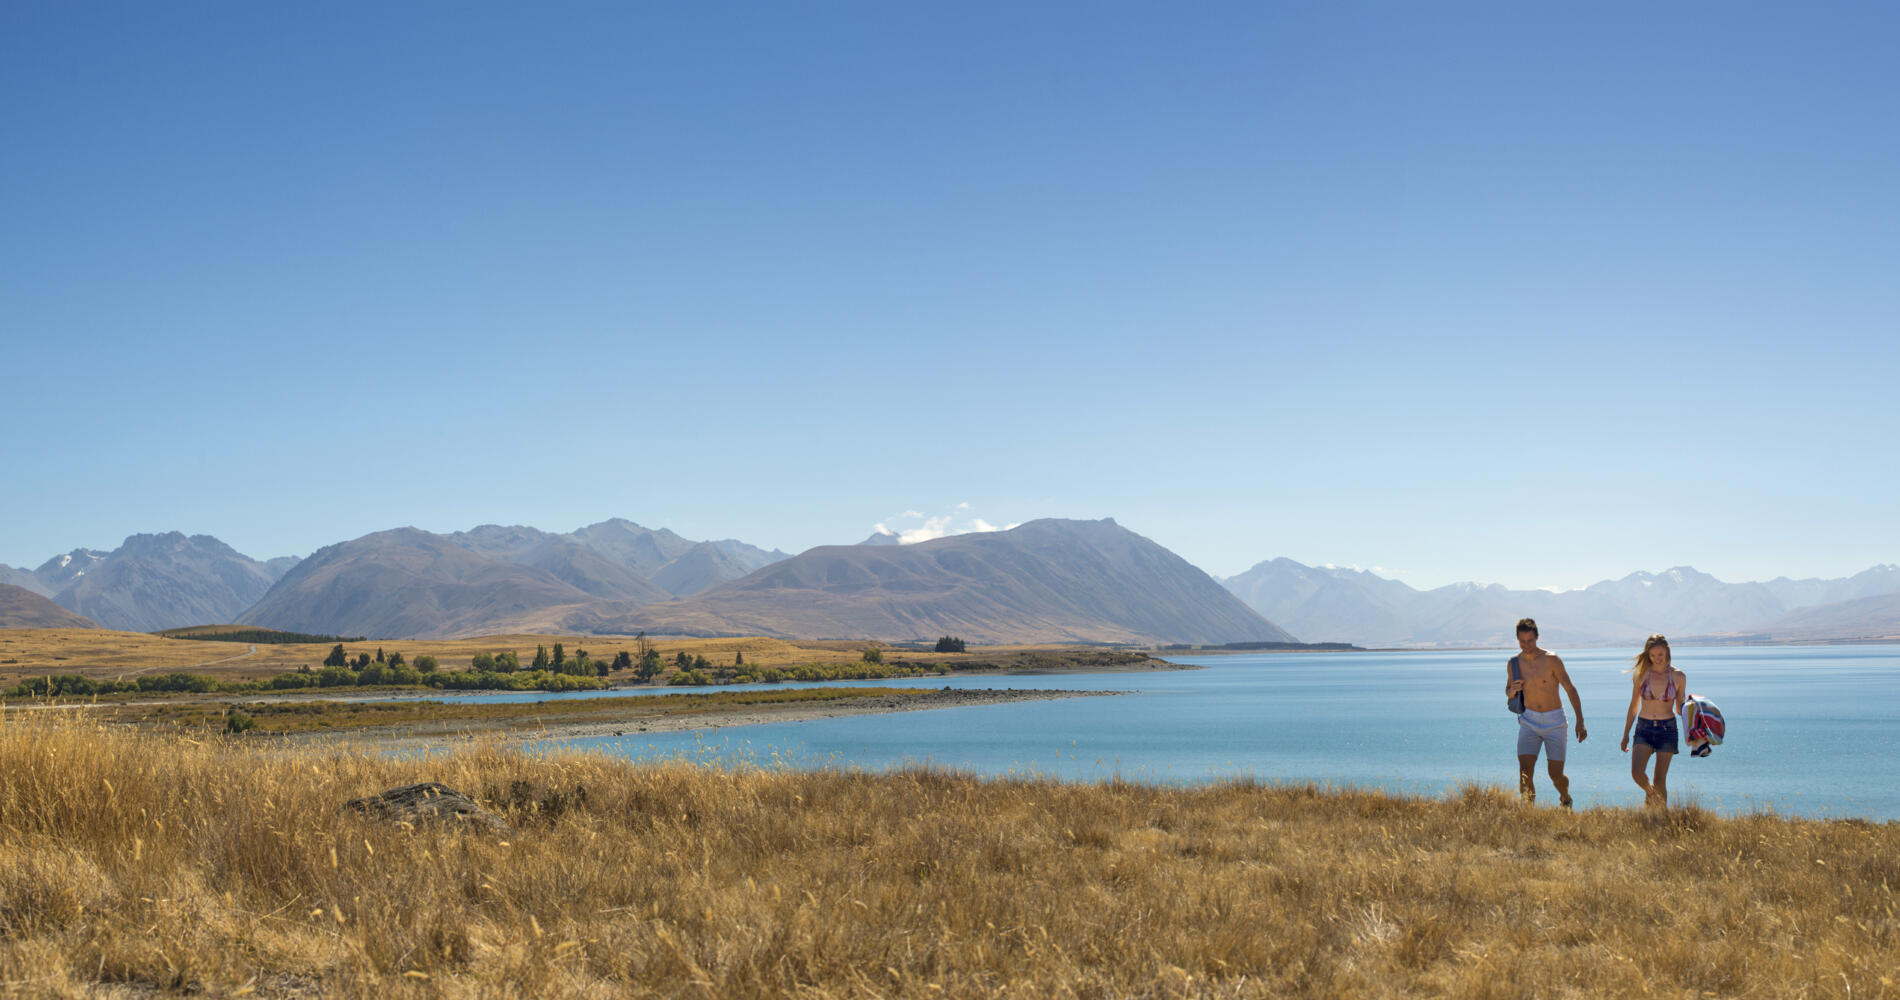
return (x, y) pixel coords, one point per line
(1811, 729)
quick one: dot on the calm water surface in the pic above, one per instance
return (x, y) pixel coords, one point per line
(1811, 729)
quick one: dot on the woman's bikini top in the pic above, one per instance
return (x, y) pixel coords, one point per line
(1669, 688)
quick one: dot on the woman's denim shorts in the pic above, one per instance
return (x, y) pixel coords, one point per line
(1658, 734)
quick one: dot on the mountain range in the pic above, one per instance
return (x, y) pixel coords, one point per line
(1325, 603)
(1045, 581)
(153, 582)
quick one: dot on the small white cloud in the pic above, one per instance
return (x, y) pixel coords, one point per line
(958, 522)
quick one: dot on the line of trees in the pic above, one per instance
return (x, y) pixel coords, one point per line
(261, 636)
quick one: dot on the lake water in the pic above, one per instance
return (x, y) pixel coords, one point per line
(1811, 729)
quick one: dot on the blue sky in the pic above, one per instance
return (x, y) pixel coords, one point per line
(1517, 293)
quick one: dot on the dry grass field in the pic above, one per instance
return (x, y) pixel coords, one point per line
(134, 864)
(102, 654)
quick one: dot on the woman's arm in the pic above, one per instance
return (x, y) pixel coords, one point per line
(1682, 690)
(1636, 702)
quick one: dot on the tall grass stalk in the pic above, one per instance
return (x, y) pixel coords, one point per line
(134, 862)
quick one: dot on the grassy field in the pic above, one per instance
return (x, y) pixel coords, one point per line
(132, 863)
(102, 654)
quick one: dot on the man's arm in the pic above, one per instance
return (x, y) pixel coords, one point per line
(1563, 677)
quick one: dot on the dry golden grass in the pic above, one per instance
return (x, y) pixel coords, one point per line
(100, 654)
(131, 863)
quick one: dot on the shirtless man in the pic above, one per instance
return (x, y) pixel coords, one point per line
(1542, 724)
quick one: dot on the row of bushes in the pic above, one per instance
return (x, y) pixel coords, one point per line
(493, 672)
(73, 684)
(328, 677)
(404, 675)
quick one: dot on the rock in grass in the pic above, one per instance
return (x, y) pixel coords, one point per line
(429, 802)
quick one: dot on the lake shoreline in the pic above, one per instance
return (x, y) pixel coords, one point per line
(554, 727)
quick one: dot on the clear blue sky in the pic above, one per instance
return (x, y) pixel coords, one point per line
(1535, 294)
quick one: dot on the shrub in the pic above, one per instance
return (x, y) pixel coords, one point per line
(336, 677)
(177, 682)
(426, 663)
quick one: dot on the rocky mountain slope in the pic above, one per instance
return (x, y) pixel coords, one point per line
(1876, 617)
(168, 580)
(1044, 581)
(406, 583)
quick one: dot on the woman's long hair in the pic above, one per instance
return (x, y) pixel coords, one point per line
(1642, 665)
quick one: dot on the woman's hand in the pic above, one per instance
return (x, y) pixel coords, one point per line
(1626, 743)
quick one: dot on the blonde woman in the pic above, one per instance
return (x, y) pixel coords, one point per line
(1656, 693)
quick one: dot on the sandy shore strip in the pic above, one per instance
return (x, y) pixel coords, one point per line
(804, 712)
(552, 725)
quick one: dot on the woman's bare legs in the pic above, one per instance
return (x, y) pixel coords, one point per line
(1639, 769)
(1660, 786)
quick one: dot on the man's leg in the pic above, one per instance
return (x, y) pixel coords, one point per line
(1660, 787)
(1639, 768)
(1526, 767)
(1557, 778)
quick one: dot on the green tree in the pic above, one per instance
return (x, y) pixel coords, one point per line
(684, 660)
(507, 662)
(337, 657)
(484, 662)
(395, 660)
(874, 655)
(738, 658)
(949, 644)
(379, 655)
(540, 657)
(362, 660)
(426, 664)
(559, 657)
(649, 665)
(623, 660)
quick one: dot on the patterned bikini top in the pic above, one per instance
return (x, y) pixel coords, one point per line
(1669, 689)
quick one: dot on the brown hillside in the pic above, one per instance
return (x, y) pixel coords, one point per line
(22, 608)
